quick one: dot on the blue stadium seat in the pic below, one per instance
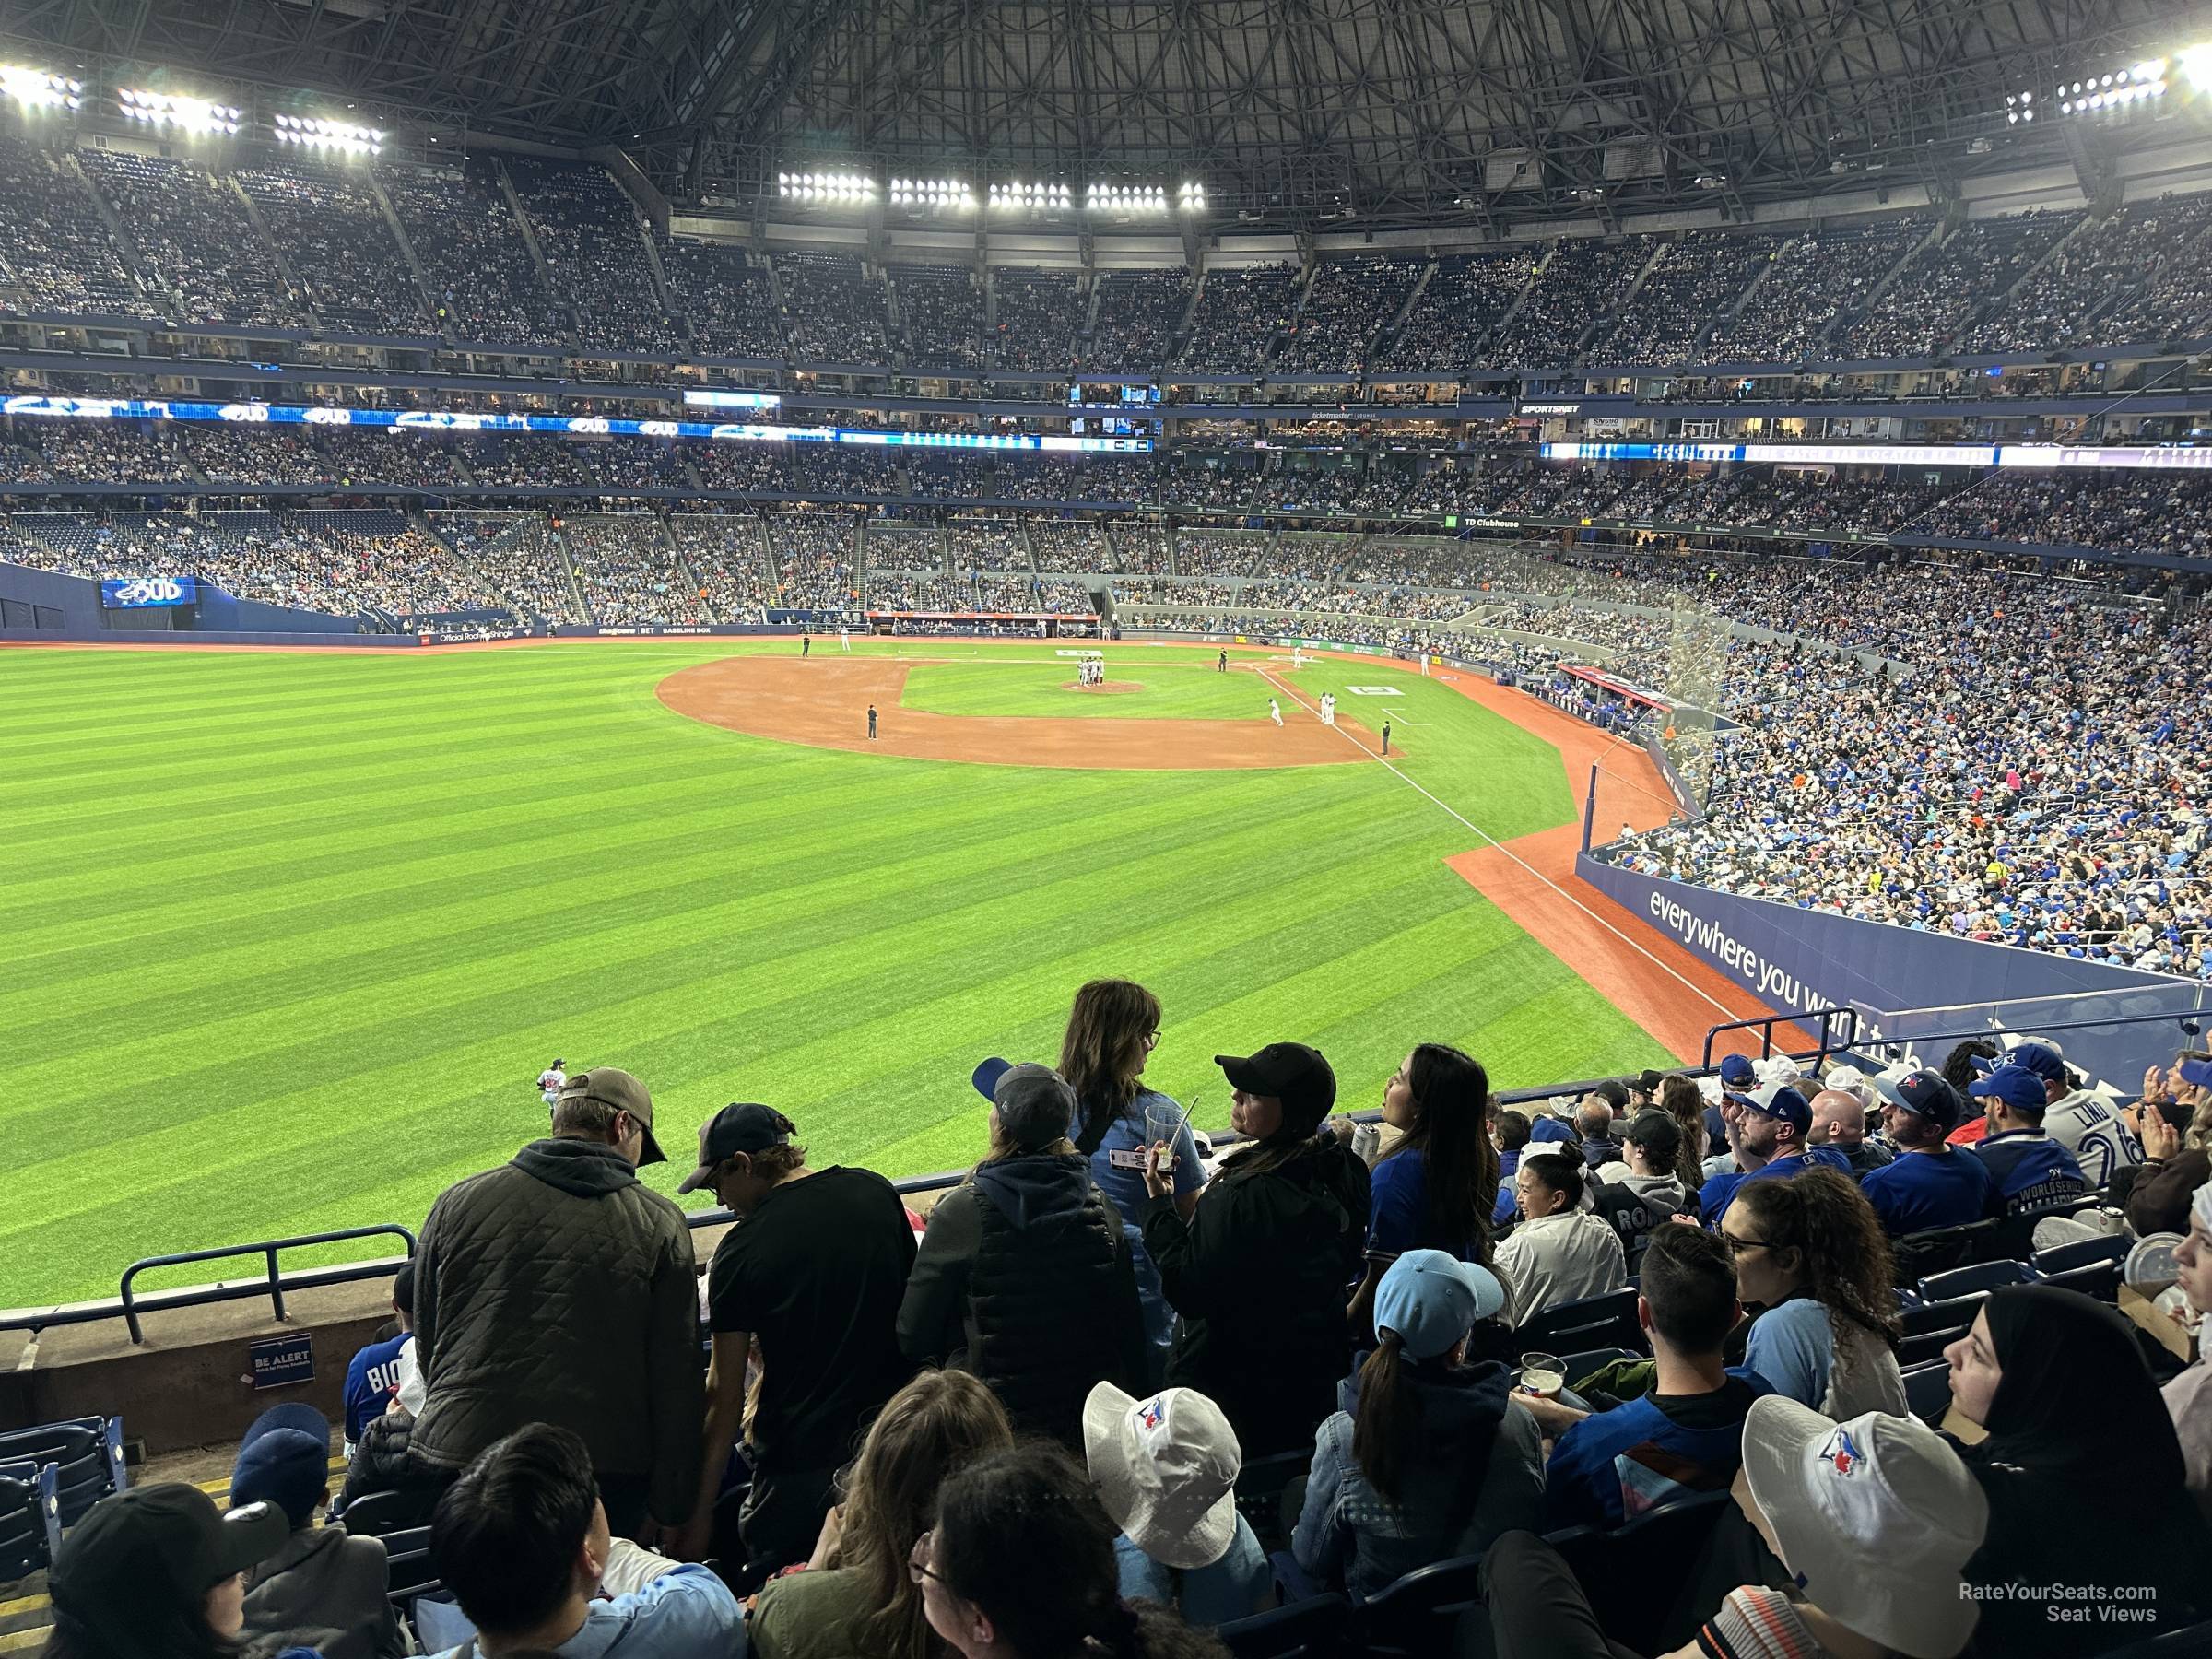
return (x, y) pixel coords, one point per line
(1928, 1390)
(1314, 1629)
(1939, 1248)
(2112, 1247)
(89, 1455)
(1633, 1573)
(381, 1514)
(1260, 1485)
(2100, 1279)
(1978, 1276)
(30, 1518)
(1607, 1320)
(1413, 1616)
(409, 1571)
(1933, 1326)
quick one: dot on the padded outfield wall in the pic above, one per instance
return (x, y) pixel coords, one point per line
(1795, 960)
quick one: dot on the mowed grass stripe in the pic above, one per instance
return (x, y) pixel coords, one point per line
(358, 991)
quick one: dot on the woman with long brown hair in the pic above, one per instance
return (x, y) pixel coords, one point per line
(1112, 1031)
(858, 1598)
(1680, 1099)
(1811, 1257)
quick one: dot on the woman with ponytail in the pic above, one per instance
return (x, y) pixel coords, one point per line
(1020, 1565)
(1813, 1265)
(1110, 1034)
(1429, 1460)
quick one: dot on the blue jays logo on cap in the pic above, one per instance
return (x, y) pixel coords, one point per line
(1152, 1412)
(1842, 1452)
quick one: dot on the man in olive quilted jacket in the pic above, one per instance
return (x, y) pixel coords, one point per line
(558, 1288)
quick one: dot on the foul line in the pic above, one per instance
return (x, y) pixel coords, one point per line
(1640, 950)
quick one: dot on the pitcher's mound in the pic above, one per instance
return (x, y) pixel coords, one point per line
(1101, 686)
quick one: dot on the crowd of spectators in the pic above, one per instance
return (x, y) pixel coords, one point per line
(594, 249)
(196, 240)
(628, 571)
(834, 308)
(1936, 292)
(1038, 314)
(814, 555)
(1583, 282)
(1239, 315)
(1071, 544)
(1135, 317)
(1463, 301)
(484, 285)
(1350, 301)
(941, 308)
(726, 299)
(519, 556)
(914, 548)
(333, 234)
(1820, 276)
(2107, 267)
(728, 553)
(53, 247)
(1691, 287)
(980, 544)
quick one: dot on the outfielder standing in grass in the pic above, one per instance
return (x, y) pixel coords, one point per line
(1221, 663)
(1387, 737)
(871, 722)
(806, 644)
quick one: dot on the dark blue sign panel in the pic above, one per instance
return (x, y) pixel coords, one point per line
(280, 1361)
(140, 592)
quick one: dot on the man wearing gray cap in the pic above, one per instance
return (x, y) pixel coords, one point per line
(558, 1288)
(1025, 1277)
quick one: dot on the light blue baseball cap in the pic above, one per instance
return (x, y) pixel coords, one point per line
(1431, 1299)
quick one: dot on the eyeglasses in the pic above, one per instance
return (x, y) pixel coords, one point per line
(1152, 1038)
(917, 1561)
(1737, 1247)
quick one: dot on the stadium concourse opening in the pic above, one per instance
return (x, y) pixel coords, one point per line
(824, 703)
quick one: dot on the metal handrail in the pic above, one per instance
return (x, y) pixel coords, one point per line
(273, 1286)
(1764, 1025)
(2189, 1021)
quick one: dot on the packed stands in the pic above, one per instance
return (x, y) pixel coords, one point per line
(1580, 283)
(815, 557)
(628, 571)
(2089, 291)
(1239, 315)
(56, 255)
(1136, 318)
(1462, 302)
(483, 282)
(1350, 301)
(986, 545)
(196, 241)
(1067, 545)
(1935, 293)
(726, 299)
(1692, 289)
(520, 557)
(596, 251)
(728, 553)
(1820, 276)
(1038, 314)
(835, 309)
(339, 245)
(941, 309)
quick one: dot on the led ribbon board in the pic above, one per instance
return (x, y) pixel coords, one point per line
(569, 426)
(2030, 456)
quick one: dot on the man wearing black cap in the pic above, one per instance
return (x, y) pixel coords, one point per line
(1025, 1276)
(1929, 1184)
(1257, 1275)
(558, 1288)
(814, 1273)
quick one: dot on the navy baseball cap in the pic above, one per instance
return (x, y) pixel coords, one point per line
(1779, 1101)
(1923, 1093)
(2197, 1074)
(1036, 1107)
(1738, 1075)
(284, 1460)
(2042, 1059)
(741, 1126)
(2014, 1085)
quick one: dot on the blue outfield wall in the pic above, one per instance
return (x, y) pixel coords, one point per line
(1796, 959)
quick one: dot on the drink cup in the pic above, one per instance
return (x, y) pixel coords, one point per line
(1161, 1124)
(1543, 1374)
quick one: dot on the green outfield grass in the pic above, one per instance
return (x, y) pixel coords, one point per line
(286, 938)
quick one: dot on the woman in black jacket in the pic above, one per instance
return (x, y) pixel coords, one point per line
(1259, 1274)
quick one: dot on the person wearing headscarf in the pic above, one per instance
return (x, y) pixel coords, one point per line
(2188, 1398)
(159, 1572)
(2088, 1501)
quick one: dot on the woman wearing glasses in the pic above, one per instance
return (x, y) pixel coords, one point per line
(1020, 1565)
(1813, 1265)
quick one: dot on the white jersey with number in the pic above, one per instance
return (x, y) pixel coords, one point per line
(550, 1082)
(2090, 1129)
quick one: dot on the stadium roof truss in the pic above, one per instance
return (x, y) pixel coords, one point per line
(1305, 112)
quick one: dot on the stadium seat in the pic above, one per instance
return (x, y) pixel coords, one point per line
(1593, 1322)
(381, 1514)
(1412, 1617)
(2100, 1279)
(1633, 1573)
(2112, 1247)
(30, 1518)
(1928, 1389)
(89, 1455)
(409, 1571)
(1978, 1276)
(1919, 1255)
(1313, 1629)
(1933, 1326)
(1260, 1485)
(2196, 1642)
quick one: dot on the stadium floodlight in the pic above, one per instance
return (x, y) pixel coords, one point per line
(2195, 64)
(316, 133)
(164, 108)
(40, 88)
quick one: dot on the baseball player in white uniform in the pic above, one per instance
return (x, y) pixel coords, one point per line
(551, 1081)
(844, 639)
(1274, 712)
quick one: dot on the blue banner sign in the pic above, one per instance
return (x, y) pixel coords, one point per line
(140, 592)
(569, 426)
(280, 1361)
